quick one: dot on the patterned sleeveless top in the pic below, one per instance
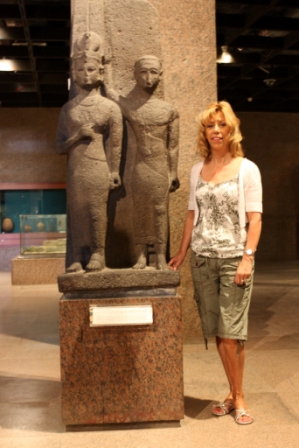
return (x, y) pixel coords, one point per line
(217, 233)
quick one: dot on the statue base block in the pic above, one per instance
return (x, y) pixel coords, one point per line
(118, 280)
(121, 374)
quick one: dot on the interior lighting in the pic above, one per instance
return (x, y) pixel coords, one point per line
(7, 65)
(226, 57)
(270, 82)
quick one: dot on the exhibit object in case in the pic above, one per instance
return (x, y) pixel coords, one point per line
(43, 235)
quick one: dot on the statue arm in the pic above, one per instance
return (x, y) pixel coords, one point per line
(116, 133)
(64, 143)
(173, 153)
(61, 137)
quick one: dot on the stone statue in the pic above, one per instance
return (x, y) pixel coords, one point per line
(92, 168)
(155, 124)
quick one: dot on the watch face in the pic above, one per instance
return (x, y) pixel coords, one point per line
(249, 252)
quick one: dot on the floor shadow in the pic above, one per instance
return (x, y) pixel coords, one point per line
(31, 404)
(194, 406)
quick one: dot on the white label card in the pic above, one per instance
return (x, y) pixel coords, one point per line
(109, 316)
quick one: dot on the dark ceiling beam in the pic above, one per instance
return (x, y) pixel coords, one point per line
(254, 94)
(289, 40)
(5, 88)
(52, 65)
(61, 51)
(273, 95)
(254, 42)
(266, 106)
(10, 12)
(60, 11)
(284, 3)
(283, 59)
(235, 24)
(228, 71)
(21, 4)
(239, 22)
(245, 21)
(11, 77)
(42, 33)
(18, 97)
(243, 2)
(10, 51)
(54, 78)
(16, 51)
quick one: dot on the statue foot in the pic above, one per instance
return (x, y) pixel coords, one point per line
(74, 267)
(161, 263)
(139, 265)
(96, 263)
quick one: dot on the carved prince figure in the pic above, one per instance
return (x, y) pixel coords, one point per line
(92, 170)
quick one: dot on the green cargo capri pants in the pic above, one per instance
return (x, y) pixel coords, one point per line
(223, 305)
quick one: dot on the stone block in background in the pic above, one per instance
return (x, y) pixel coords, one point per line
(121, 374)
(36, 271)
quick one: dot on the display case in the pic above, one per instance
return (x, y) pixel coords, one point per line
(42, 235)
(37, 199)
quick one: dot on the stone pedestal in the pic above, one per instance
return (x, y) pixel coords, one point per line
(36, 271)
(121, 374)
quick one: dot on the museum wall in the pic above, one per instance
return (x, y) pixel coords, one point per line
(271, 141)
(27, 149)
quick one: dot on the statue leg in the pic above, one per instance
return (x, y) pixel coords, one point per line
(141, 250)
(73, 255)
(161, 230)
(98, 216)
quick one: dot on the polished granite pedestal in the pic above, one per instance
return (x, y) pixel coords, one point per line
(127, 373)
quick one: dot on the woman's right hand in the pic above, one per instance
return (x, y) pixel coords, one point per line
(176, 261)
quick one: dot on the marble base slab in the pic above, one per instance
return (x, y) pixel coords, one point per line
(121, 374)
(36, 271)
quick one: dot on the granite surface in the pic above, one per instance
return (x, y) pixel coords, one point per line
(118, 279)
(36, 271)
(121, 374)
(188, 38)
(188, 50)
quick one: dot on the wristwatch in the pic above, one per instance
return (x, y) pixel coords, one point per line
(249, 252)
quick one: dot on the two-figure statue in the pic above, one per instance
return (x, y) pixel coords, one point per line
(82, 125)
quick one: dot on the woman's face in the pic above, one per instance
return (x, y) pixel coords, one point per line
(217, 132)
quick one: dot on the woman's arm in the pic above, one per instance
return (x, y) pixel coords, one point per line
(178, 259)
(254, 232)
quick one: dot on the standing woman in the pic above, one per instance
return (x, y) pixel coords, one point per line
(223, 226)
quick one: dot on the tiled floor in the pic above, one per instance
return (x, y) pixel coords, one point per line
(30, 389)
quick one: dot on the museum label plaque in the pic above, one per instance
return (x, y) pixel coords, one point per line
(109, 316)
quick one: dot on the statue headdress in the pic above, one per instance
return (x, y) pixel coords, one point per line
(88, 46)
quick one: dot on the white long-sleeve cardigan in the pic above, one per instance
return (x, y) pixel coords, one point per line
(250, 190)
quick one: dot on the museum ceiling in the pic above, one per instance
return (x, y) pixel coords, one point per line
(260, 36)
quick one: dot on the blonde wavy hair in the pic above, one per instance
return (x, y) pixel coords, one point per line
(231, 120)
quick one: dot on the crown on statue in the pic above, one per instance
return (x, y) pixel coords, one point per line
(88, 46)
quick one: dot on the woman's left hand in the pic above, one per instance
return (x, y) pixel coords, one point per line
(244, 271)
